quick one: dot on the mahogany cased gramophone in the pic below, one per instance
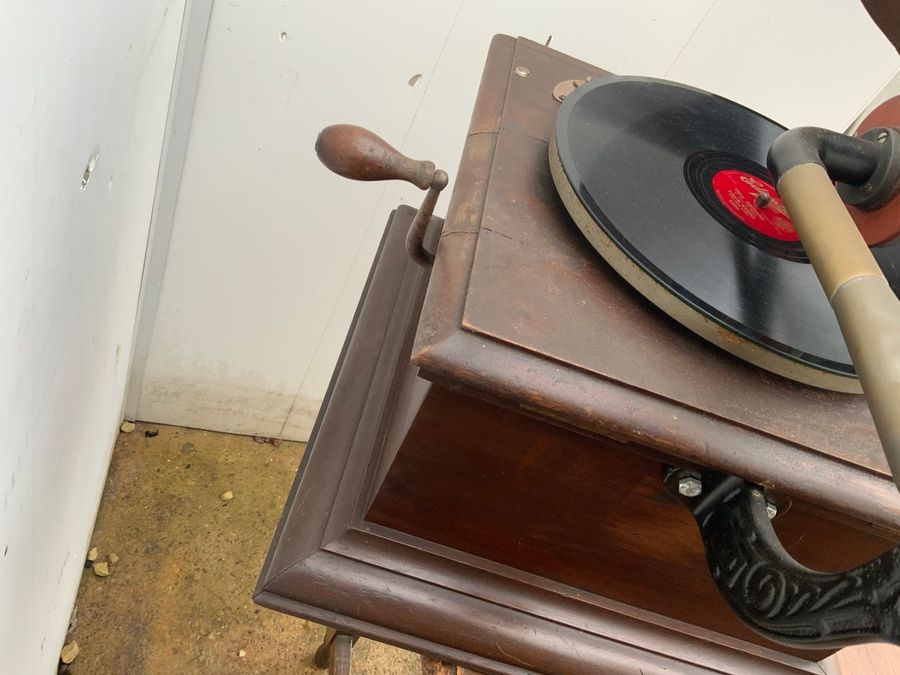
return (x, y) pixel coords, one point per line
(498, 475)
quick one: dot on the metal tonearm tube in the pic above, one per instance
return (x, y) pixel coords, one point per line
(805, 162)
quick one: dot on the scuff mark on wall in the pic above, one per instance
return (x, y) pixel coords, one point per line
(89, 169)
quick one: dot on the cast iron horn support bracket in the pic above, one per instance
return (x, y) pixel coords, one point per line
(769, 590)
(774, 594)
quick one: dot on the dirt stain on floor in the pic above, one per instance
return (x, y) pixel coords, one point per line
(178, 600)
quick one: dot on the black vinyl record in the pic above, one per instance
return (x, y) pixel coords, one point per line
(669, 183)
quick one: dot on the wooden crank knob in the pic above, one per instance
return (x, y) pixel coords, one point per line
(358, 154)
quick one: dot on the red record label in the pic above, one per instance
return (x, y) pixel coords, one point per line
(754, 202)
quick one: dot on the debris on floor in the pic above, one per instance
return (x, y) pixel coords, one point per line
(69, 652)
(127, 427)
(180, 601)
(73, 621)
(227, 496)
(101, 569)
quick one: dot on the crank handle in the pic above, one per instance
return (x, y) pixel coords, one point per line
(358, 154)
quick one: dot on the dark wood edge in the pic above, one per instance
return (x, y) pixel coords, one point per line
(387, 377)
(638, 417)
(541, 598)
(352, 379)
(449, 276)
(355, 596)
(379, 583)
(376, 631)
(446, 353)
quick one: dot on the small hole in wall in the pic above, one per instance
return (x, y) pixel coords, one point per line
(6, 550)
(414, 80)
(282, 37)
(89, 169)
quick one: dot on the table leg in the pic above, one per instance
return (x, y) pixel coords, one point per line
(335, 651)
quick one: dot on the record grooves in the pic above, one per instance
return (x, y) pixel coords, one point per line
(669, 184)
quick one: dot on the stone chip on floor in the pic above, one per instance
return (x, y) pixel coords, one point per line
(178, 599)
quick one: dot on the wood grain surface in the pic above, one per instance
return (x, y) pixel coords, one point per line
(520, 308)
(329, 564)
(509, 516)
(590, 513)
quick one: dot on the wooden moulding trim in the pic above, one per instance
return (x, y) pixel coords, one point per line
(492, 89)
(442, 309)
(395, 608)
(351, 382)
(389, 636)
(585, 402)
(539, 597)
(386, 376)
(389, 375)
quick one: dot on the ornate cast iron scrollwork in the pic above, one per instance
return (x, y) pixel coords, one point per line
(773, 593)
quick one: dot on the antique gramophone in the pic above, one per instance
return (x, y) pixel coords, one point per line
(495, 476)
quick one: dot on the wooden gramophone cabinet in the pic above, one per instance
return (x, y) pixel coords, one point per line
(484, 482)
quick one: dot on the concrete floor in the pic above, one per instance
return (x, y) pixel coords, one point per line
(178, 599)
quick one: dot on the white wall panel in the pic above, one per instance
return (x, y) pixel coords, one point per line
(270, 251)
(262, 241)
(890, 90)
(438, 131)
(803, 62)
(85, 85)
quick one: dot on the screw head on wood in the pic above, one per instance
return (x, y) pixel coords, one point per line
(689, 486)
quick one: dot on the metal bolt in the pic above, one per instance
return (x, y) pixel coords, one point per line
(689, 486)
(882, 137)
(522, 71)
(771, 510)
